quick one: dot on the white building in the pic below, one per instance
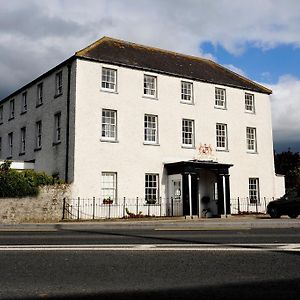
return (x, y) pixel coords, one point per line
(119, 119)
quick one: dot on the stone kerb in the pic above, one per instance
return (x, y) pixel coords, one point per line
(46, 207)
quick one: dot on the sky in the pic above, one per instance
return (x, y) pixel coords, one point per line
(259, 39)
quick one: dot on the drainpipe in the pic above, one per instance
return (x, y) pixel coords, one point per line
(68, 125)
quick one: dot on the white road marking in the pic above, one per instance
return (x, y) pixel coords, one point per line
(156, 247)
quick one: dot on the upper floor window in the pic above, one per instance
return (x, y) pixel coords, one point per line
(24, 103)
(221, 137)
(254, 190)
(23, 140)
(150, 86)
(58, 84)
(38, 135)
(109, 125)
(57, 127)
(10, 144)
(249, 103)
(188, 138)
(220, 98)
(109, 186)
(150, 129)
(11, 109)
(109, 79)
(151, 188)
(1, 114)
(251, 139)
(186, 92)
(40, 94)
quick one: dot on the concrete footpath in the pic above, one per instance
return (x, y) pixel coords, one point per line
(175, 223)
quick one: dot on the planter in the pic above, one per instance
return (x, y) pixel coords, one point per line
(151, 201)
(108, 201)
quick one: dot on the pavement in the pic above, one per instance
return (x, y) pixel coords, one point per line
(174, 223)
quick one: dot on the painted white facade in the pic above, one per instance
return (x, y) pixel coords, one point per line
(129, 157)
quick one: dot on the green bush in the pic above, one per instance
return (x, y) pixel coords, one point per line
(22, 183)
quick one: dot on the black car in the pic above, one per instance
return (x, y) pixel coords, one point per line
(289, 205)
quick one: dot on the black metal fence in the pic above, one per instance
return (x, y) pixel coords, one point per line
(246, 205)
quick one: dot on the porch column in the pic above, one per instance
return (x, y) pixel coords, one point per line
(227, 185)
(190, 193)
(224, 196)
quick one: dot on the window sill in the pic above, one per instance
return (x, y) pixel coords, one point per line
(150, 97)
(108, 91)
(220, 107)
(187, 102)
(23, 112)
(252, 152)
(57, 95)
(109, 141)
(151, 144)
(21, 153)
(188, 147)
(37, 149)
(38, 105)
(11, 118)
(249, 112)
(56, 143)
(222, 150)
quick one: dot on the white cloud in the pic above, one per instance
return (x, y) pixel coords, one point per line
(286, 109)
(236, 70)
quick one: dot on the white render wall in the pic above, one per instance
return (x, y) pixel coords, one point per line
(131, 159)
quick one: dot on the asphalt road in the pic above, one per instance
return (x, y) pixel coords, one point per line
(99, 263)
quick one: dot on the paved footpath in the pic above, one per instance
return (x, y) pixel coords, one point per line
(230, 223)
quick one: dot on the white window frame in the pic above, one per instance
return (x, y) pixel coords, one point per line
(40, 92)
(188, 133)
(150, 86)
(24, 103)
(11, 109)
(150, 129)
(254, 197)
(220, 98)
(109, 79)
(10, 144)
(249, 103)
(58, 83)
(1, 114)
(152, 187)
(109, 187)
(187, 92)
(23, 140)
(221, 137)
(109, 125)
(38, 135)
(251, 139)
(57, 128)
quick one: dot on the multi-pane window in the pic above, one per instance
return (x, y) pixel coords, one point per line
(57, 127)
(249, 103)
(24, 103)
(10, 144)
(109, 79)
(220, 98)
(251, 139)
(38, 134)
(150, 129)
(186, 91)
(150, 83)
(109, 125)
(23, 140)
(1, 114)
(151, 188)
(188, 132)
(58, 83)
(12, 109)
(254, 190)
(221, 136)
(109, 186)
(40, 92)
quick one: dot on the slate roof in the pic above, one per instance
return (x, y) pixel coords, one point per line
(117, 52)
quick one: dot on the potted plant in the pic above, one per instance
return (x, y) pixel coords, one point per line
(150, 201)
(108, 201)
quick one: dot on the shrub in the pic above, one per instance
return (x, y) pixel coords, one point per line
(22, 183)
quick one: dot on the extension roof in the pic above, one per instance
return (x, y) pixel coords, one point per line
(117, 52)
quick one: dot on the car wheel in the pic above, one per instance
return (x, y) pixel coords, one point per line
(274, 213)
(293, 215)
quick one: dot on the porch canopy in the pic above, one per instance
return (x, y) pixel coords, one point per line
(190, 170)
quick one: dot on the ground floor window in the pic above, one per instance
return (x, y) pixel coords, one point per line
(151, 188)
(109, 186)
(254, 190)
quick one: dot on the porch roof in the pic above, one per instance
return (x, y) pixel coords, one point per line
(194, 166)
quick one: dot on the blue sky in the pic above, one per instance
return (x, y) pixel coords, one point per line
(259, 39)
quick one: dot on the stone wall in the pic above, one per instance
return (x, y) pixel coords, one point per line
(46, 207)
